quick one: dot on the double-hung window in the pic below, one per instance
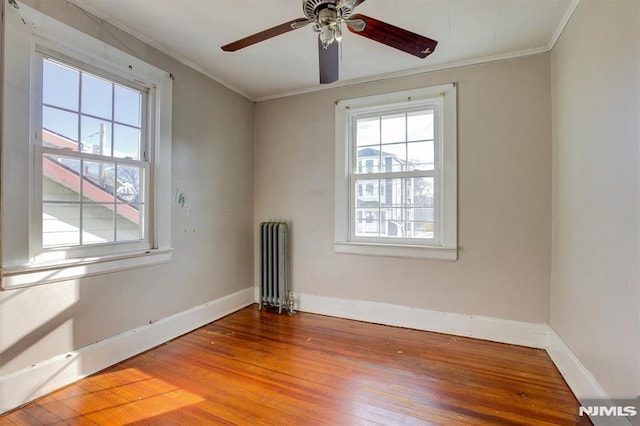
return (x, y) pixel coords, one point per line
(92, 159)
(86, 166)
(403, 201)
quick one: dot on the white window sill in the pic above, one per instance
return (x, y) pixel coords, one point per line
(395, 250)
(23, 276)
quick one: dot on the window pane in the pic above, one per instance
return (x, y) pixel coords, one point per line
(126, 142)
(423, 223)
(60, 85)
(96, 96)
(370, 159)
(422, 192)
(127, 105)
(367, 193)
(60, 178)
(367, 202)
(394, 192)
(60, 224)
(367, 222)
(393, 223)
(420, 125)
(129, 222)
(368, 131)
(128, 186)
(61, 123)
(98, 181)
(421, 156)
(95, 136)
(393, 128)
(393, 157)
(97, 223)
(386, 192)
(409, 223)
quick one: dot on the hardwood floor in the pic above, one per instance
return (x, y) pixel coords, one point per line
(254, 367)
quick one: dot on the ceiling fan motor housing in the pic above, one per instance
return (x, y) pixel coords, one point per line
(312, 8)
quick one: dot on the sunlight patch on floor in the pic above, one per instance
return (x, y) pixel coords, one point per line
(129, 394)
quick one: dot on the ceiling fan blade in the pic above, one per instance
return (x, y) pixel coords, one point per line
(328, 59)
(265, 35)
(396, 37)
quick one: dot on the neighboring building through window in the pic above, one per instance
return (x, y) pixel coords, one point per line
(407, 142)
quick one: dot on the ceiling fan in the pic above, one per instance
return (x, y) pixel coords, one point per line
(327, 17)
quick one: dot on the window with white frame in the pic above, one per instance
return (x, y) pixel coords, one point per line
(407, 142)
(92, 159)
(89, 134)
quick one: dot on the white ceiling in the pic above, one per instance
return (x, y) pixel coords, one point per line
(468, 31)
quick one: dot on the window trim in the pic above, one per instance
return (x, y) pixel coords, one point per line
(344, 241)
(27, 31)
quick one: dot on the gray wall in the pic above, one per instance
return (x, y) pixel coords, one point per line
(213, 138)
(504, 179)
(595, 290)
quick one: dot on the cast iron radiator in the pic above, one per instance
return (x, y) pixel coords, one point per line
(274, 266)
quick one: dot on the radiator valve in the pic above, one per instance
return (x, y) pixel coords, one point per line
(290, 303)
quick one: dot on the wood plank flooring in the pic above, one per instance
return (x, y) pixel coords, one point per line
(253, 368)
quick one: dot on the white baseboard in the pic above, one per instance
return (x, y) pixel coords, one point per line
(581, 381)
(32, 382)
(480, 327)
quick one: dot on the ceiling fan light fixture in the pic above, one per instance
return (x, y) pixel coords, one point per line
(327, 20)
(338, 32)
(356, 25)
(327, 36)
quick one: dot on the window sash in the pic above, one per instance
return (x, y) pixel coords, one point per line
(44, 53)
(46, 253)
(354, 210)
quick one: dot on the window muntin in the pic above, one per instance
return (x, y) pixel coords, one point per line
(92, 152)
(399, 149)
